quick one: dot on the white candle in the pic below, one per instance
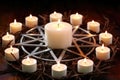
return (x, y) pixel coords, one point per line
(85, 66)
(8, 39)
(29, 65)
(93, 26)
(76, 19)
(105, 38)
(55, 16)
(58, 35)
(31, 21)
(15, 26)
(59, 70)
(102, 53)
(12, 54)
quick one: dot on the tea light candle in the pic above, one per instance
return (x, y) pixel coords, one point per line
(85, 65)
(93, 26)
(15, 26)
(12, 54)
(58, 35)
(8, 39)
(76, 19)
(102, 53)
(55, 16)
(105, 38)
(59, 70)
(29, 65)
(31, 21)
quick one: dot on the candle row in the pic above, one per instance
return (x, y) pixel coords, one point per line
(30, 21)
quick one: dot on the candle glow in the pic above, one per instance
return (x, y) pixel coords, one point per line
(7, 34)
(30, 15)
(15, 21)
(54, 12)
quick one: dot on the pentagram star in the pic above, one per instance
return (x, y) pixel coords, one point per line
(35, 38)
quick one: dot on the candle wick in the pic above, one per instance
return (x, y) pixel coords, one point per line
(12, 50)
(105, 33)
(8, 36)
(102, 49)
(58, 25)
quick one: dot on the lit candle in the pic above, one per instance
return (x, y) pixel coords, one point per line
(76, 19)
(59, 70)
(105, 38)
(93, 26)
(85, 65)
(31, 21)
(102, 53)
(55, 16)
(58, 35)
(29, 65)
(12, 54)
(15, 27)
(8, 39)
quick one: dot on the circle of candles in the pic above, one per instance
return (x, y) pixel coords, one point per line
(58, 35)
(93, 26)
(15, 27)
(76, 19)
(59, 70)
(8, 39)
(29, 65)
(85, 66)
(102, 53)
(55, 16)
(105, 38)
(12, 54)
(31, 21)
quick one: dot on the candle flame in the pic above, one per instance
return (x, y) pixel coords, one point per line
(76, 14)
(58, 62)
(84, 60)
(105, 32)
(93, 21)
(15, 21)
(54, 12)
(7, 34)
(30, 15)
(28, 58)
(102, 46)
(11, 49)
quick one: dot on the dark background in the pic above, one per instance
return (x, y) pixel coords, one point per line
(21, 8)
(95, 9)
